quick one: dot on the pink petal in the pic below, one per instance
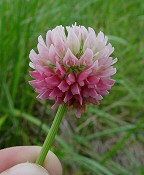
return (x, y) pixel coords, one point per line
(43, 50)
(69, 59)
(60, 69)
(114, 61)
(83, 75)
(53, 57)
(100, 36)
(53, 81)
(105, 40)
(57, 103)
(44, 70)
(40, 90)
(108, 72)
(90, 41)
(100, 46)
(68, 96)
(87, 92)
(40, 40)
(84, 33)
(93, 100)
(32, 65)
(93, 79)
(43, 53)
(48, 38)
(34, 57)
(91, 86)
(104, 92)
(102, 86)
(95, 65)
(99, 97)
(61, 30)
(73, 41)
(60, 45)
(44, 94)
(106, 51)
(71, 79)
(104, 61)
(56, 92)
(93, 93)
(110, 48)
(82, 83)
(86, 58)
(63, 86)
(77, 30)
(75, 89)
(108, 81)
(37, 75)
(79, 98)
(38, 83)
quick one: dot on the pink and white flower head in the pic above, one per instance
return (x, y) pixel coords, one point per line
(74, 66)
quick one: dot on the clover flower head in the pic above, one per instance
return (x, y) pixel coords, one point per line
(74, 66)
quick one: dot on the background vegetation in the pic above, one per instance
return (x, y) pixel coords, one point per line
(107, 140)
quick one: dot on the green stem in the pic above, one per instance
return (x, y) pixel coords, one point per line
(51, 135)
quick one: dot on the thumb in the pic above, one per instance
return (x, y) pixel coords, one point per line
(26, 169)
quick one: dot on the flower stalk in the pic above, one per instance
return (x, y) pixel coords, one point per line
(52, 133)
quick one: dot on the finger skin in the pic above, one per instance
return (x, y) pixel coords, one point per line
(10, 157)
(26, 169)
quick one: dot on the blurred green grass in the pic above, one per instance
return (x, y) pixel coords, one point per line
(107, 140)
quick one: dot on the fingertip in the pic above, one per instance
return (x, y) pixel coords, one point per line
(26, 169)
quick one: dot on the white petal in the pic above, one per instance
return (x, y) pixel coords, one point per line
(73, 41)
(69, 59)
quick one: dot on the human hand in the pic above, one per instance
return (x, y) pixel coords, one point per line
(21, 161)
